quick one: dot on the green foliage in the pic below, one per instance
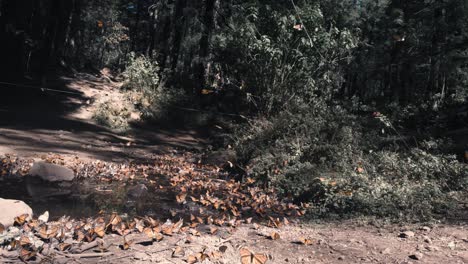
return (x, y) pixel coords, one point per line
(335, 160)
(114, 115)
(282, 54)
(142, 82)
(103, 34)
(141, 74)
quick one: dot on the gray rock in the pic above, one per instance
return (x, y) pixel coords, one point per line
(427, 239)
(51, 172)
(426, 229)
(386, 251)
(416, 256)
(12, 208)
(406, 234)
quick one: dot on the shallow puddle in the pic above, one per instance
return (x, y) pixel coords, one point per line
(88, 198)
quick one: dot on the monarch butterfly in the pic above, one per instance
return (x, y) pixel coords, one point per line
(248, 257)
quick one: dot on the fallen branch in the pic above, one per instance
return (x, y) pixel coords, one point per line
(89, 255)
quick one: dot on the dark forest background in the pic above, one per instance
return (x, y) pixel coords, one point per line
(355, 105)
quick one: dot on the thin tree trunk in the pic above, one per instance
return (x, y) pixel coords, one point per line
(205, 49)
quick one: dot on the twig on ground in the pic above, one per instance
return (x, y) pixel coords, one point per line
(223, 241)
(88, 255)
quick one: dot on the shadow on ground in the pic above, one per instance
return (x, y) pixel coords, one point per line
(35, 121)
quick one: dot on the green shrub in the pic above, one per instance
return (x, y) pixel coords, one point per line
(141, 74)
(114, 115)
(334, 159)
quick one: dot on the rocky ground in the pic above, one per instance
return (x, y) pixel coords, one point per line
(176, 207)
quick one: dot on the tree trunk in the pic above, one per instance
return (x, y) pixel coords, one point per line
(205, 49)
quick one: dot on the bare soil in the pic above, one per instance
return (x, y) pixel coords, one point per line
(35, 122)
(60, 123)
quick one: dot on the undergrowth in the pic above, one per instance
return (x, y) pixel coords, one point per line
(351, 165)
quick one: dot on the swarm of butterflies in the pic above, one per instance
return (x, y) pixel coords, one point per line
(30, 237)
(222, 202)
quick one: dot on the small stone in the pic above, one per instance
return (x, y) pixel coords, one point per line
(341, 258)
(427, 239)
(386, 251)
(432, 248)
(416, 256)
(406, 234)
(286, 260)
(425, 229)
(141, 256)
(451, 245)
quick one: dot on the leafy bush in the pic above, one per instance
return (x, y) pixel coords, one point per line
(142, 82)
(278, 58)
(113, 115)
(141, 74)
(321, 154)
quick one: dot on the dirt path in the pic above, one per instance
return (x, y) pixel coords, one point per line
(60, 123)
(35, 122)
(331, 243)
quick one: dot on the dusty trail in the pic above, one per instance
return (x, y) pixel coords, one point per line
(35, 122)
(43, 123)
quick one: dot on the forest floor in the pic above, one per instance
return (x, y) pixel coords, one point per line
(217, 226)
